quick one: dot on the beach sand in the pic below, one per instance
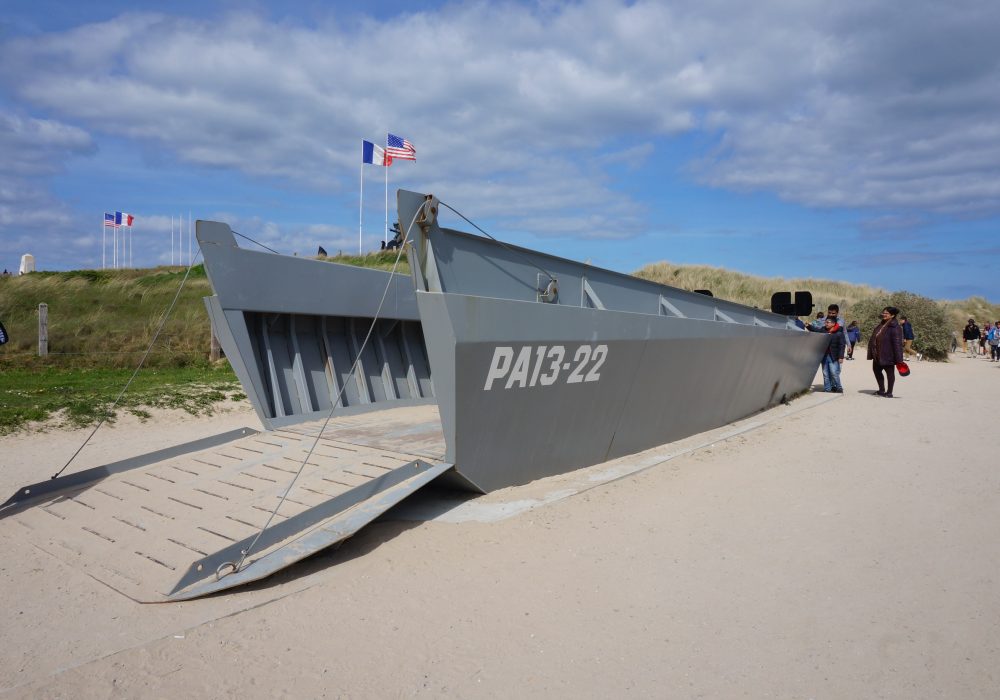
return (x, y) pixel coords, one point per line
(840, 547)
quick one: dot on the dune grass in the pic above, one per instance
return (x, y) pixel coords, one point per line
(79, 397)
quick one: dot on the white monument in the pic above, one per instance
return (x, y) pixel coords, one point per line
(27, 264)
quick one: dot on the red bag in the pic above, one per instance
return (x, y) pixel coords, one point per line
(903, 369)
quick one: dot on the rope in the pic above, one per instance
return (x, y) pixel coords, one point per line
(504, 245)
(136, 372)
(246, 552)
(256, 242)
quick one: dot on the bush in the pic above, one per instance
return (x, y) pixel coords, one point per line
(930, 325)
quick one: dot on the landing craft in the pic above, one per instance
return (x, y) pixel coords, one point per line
(491, 366)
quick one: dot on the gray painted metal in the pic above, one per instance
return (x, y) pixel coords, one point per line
(527, 388)
(292, 329)
(35, 493)
(325, 525)
(138, 531)
(455, 262)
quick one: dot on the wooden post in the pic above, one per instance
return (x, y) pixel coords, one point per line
(216, 350)
(43, 330)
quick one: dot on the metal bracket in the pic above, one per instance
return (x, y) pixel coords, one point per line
(550, 292)
(428, 213)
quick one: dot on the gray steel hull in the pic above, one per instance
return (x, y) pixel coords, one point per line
(526, 386)
(543, 364)
(658, 379)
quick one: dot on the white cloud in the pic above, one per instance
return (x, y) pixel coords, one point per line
(516, 110)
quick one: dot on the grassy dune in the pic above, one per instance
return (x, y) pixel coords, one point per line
(751, 290)
(101, 322)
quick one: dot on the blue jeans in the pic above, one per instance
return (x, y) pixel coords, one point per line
(831, 374)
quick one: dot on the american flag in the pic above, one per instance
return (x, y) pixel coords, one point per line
(397, 147)
(109, 220)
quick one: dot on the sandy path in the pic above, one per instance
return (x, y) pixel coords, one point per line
(847, 550)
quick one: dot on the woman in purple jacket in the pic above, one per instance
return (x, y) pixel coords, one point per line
(885, 349)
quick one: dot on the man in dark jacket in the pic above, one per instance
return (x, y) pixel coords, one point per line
(971, 336)
(833, 358)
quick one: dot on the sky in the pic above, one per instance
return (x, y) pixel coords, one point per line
(855, 141)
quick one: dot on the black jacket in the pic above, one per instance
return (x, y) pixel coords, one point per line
(971, 332)
(838, 344)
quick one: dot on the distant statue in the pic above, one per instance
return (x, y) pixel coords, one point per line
(396, 240)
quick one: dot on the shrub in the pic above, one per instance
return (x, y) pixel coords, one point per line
(930, 325)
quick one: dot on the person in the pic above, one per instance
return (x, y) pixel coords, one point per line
(833, 358)
(833, 311)
(982, 340)
(817, 323)
(885, 350)
(993, 338)
(970, 334)
(798, 323)
(908, 337)
(853, 336)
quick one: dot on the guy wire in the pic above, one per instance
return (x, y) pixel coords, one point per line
(152, 342)
(246, 552)
(504, 245)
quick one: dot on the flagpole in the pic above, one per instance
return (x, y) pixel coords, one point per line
(385, 236)
(104, 245)
(189, 238)
(361, 206)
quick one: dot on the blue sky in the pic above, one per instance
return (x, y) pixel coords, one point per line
(858, 141)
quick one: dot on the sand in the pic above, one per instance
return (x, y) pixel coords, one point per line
(841, 547)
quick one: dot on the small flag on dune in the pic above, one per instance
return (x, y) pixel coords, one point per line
(398, 147)
(370, 153)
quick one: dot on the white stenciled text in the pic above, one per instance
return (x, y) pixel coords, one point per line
(544, 365)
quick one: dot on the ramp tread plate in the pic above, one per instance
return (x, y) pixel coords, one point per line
(138, 530)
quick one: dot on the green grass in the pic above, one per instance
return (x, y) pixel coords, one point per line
(83, 396)
(379, 260)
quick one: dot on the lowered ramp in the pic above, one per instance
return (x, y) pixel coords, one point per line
(176, 529)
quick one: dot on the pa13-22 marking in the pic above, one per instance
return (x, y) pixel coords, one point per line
(543, 364)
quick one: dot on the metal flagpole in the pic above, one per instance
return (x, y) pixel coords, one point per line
(189, 237)
(114, 256)
(385, 236)
(104, 245)
(171, 239)
(361, 206)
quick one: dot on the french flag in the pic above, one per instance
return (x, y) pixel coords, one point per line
(370, 153)
(122, 219)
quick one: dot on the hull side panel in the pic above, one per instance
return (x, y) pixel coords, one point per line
(539, 389)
